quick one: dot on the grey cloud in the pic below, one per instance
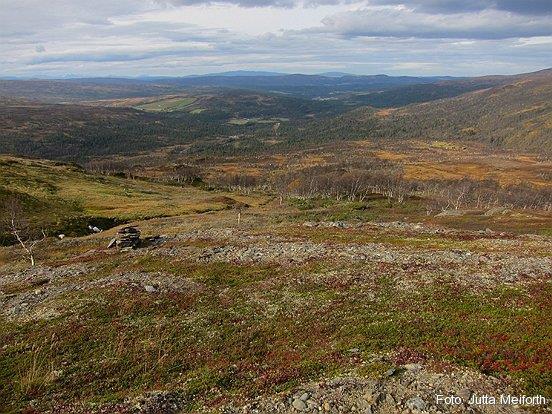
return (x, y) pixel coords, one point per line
(527, 6)
(34, 16)
(259, 3)
(488, 24)
(303, 52)
(121, 56)
(530, 7)
(241, 3)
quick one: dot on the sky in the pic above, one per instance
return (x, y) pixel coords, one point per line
(58, 38)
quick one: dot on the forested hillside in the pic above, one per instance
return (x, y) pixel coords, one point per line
(517, 115)
(72, 132)
(426, 92)
(76, 132)
(56, 91)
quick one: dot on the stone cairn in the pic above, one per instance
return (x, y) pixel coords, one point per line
(127, 237)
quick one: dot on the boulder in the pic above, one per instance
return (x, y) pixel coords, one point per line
(127, 237)
(416, 403)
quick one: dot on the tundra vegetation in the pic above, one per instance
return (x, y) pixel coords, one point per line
(392, 248)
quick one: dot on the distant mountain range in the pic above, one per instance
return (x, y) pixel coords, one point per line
(265, 73)
(153, 77)
(244, 73)
(328, 85)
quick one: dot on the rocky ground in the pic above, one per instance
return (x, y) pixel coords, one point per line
(343, 261)
(500, 259)
(410, 388)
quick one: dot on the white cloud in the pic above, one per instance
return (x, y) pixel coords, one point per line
(535, 41)
(132, 37)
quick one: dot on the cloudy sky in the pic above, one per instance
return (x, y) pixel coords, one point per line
(182, 37)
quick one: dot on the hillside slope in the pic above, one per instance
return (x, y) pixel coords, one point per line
(65, 198)
(426, 92)
(377, 90)
(517, 115)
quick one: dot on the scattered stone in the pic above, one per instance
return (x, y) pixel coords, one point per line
(156, 402)
(465, 394)
(416, 403)
(413, 367)
(312, 405)
(337, 224)
(40, 281)
(390, 372)
(127, 237)
(413, 392)
(369, 397)
(299, 405)
(471, 269)
(154, 240)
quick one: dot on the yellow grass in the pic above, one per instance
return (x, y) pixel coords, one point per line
(477, 171)
(107, 196)
(388, 155)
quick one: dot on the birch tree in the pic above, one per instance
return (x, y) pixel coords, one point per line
(17, 225)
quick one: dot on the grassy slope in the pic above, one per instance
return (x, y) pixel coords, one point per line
(239, 329)
(55, 193)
